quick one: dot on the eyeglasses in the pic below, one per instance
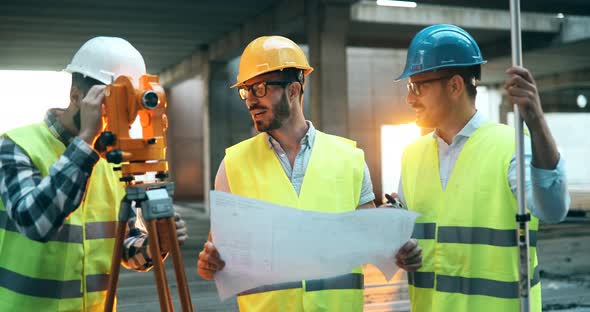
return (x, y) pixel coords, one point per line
(415, 87)
(259, 88)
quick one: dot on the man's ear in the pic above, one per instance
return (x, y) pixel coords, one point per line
(294, 90)
(456, 86)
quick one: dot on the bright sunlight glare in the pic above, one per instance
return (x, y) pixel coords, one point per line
(394, 138)
(29, 94)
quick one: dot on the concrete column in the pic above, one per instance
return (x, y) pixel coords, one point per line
(206, 76)
(187, 86)
(228, 120)
(312, 30)
(217, 132)
(326, 28)
(185, 137)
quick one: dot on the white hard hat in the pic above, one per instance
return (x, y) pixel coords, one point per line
(106, 58)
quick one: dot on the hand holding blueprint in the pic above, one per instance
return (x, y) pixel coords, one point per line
(262, 243)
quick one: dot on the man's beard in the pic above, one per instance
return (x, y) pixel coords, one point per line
(77, 121)
(280, 113)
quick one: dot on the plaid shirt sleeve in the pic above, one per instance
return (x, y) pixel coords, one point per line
(136, 254)
(39, 206)
(135, 251)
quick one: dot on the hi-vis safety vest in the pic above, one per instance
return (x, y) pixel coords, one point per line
(70, 271)
(332, 184)
(468, 231)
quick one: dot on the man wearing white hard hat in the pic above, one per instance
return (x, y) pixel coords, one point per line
(60, 200)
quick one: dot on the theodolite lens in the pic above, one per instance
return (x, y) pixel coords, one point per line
(150, 99)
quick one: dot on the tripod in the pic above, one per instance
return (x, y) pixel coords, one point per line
(123, 104)
(156, 205)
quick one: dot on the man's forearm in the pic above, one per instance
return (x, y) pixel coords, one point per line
(39, 205)
(550, 199)
(544, 148)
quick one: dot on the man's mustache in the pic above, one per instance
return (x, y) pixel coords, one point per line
(256, 106)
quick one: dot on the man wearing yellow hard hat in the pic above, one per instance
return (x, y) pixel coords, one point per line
(272, 166)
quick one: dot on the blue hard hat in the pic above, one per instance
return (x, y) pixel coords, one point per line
(441, 46)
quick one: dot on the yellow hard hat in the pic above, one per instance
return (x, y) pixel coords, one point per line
(270, 53)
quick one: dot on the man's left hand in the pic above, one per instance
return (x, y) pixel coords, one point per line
(521, 90)
(409, 256)
(180, 228)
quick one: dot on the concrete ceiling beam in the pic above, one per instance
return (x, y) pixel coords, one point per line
(471, 18)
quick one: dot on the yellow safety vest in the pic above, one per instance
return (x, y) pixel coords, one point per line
(332, 184)
(70, 271)
(468, 230)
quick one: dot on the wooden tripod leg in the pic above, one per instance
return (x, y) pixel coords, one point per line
(159, 272)
(115, 266)
(182, 285)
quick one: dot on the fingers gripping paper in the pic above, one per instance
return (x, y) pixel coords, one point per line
(263, 243)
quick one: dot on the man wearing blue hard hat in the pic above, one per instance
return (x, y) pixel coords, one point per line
(462, 179)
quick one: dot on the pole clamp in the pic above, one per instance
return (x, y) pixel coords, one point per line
(523, 218)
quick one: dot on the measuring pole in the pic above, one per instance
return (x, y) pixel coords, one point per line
(522, 217)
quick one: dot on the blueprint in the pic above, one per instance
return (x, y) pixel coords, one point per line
(263, 243)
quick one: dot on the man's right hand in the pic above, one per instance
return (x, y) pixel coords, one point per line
(91, 109)
(209, 261)
(409, 256)
(391, 201)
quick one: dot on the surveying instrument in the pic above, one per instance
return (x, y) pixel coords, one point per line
(523, 217)
(136, 157)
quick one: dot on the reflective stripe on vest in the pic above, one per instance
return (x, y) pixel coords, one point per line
(346, 281)
(266, 288)
(479, 235)
(421, 279)
(97, 282)
(424, 231)
(469, 286)
(470, 235)
(46, 288)
(70, 233)
(481, 286)
(101, 230)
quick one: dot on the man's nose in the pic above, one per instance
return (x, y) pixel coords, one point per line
(411, 98)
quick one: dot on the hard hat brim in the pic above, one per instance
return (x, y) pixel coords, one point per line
(76, 69)
(407, 73)
(306, 71)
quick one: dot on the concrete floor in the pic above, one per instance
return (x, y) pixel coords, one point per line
(564, 251)
(137, 291)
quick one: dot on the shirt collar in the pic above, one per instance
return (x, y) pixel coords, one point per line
(55, 126)
(307, 140)
(476, 121)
